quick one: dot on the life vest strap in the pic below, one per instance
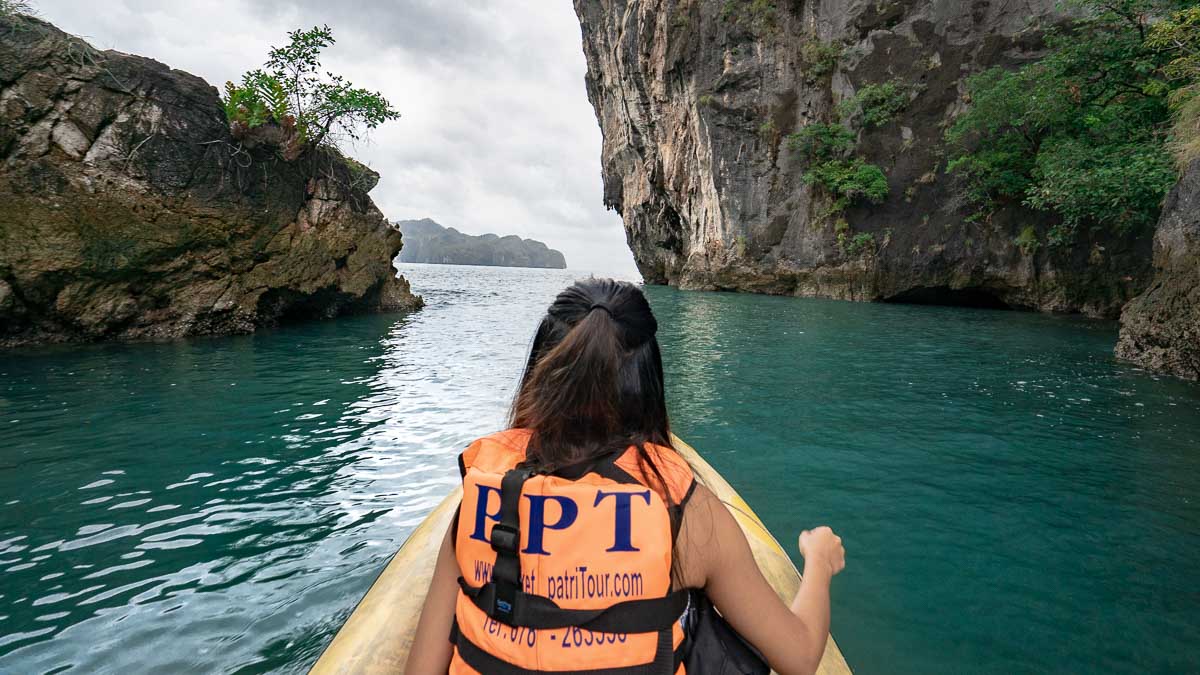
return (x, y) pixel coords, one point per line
(506, 542)
(666, 660)
(535, 611)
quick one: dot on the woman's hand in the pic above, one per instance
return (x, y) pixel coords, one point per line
(822, 546)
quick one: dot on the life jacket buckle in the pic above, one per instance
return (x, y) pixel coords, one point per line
(505, 539)
(504, 606)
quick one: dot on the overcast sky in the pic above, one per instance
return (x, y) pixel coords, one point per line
(496, 133)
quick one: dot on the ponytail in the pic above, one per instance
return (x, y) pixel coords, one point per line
(593, 383)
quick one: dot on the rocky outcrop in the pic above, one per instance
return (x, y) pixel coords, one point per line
(695, 100)
(1160, 329)
(427, 242)
(128, 211)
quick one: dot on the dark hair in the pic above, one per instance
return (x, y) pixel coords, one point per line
(594, 380)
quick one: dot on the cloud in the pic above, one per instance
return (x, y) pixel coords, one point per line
(426, 31)
(496, 133)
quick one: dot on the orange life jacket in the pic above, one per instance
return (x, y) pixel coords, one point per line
(569, 571)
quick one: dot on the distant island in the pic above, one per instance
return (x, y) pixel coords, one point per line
(427, 242)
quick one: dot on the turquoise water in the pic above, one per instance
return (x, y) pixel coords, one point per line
(1012, 500)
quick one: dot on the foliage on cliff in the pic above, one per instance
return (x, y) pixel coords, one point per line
(1179, 37)
(833, 167)
(876, 104)
(312, 108)
(16, 7)
(758, 15)
(1083, 132)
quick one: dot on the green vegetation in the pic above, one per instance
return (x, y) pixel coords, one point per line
(313, 109)
(862, 243)
(683, 19)
(1028, 241)
(1083, 132)
(767, 129)
(705, 100)
(258, 100)
(856, 245)
(847, 179)
(829, 148)
(759, 15)
(821, 57)
(820, 142)
(1179, 37)
(876, 104)
(10, 8)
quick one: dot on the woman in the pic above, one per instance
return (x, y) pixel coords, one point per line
(581, 529)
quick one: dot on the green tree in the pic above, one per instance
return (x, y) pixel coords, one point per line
(1080, 133)
(1179, 37)
(292, 91)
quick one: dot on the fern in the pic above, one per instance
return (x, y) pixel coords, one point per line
(271, 92)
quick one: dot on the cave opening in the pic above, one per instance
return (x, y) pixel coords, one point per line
(975, 297)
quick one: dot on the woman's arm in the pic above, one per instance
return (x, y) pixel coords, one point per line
(431, 648)
(716, 556)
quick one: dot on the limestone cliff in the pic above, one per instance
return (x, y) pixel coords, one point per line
(425, 241)
(1160, 329)
(127, 210)
(695, 100)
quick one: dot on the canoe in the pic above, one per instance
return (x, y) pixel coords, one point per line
(377, 636)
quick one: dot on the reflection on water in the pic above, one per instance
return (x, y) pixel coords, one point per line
(699, 322)
(1012, 499)
(223, 503)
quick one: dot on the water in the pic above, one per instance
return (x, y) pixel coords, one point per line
(1012, 499)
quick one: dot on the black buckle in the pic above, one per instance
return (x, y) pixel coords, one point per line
(505, 601)
(505, 538)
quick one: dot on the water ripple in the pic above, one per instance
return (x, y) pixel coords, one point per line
(1013, 499)
(239, 492)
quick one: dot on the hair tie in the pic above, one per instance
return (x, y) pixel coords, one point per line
(601, 305)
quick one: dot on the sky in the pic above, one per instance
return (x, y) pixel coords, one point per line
(496, 133)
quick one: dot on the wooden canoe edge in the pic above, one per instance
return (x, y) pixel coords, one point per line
(377, 636)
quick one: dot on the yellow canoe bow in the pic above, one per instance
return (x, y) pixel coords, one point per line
(377, 636)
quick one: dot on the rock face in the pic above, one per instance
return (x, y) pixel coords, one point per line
(427, 242)
(1160, 329)
(695, 99)
(128, 211)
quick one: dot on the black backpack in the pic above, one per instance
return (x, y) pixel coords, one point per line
(712, 646)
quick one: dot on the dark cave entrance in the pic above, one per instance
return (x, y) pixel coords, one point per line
(979, 298)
